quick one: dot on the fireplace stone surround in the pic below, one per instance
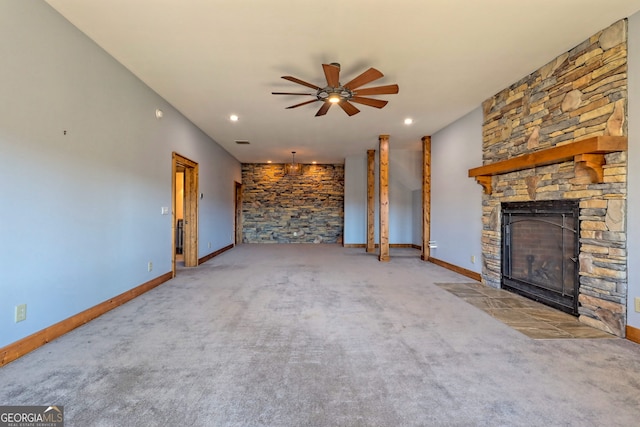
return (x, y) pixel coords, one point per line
(579, 95)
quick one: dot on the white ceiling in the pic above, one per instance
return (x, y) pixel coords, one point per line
(214, 58)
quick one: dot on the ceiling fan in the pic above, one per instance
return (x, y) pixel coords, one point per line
(343, 94)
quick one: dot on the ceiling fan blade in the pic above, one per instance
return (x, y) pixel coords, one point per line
(303, 103)
(323, 110)
(348, 107)
(292, 93)
(368, 76)
(332, 73)
(300, 82)
(378, 103)
(378, 90)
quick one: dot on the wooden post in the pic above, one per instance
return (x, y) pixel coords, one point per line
(191, 216)
(371, 198)
(426, 197)
(384, 197)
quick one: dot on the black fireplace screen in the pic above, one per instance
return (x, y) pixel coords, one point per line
(540, 251)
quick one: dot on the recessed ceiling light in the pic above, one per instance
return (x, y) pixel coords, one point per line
(268, 161)
(408, 121)
(233, 118)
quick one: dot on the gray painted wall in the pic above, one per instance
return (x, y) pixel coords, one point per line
(405, 176)
(456, 199)
(81, 212)
(633, 208)
(416, 238)
(405, 171)
(355, 200)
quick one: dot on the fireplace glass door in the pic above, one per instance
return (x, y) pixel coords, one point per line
(540, 251)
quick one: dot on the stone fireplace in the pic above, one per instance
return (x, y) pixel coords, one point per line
(560, 134)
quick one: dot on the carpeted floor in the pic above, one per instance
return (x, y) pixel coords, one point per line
(320, 335)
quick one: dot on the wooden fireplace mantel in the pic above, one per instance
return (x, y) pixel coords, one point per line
(587, 153)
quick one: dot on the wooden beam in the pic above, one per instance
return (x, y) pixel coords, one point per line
(384, 197)
(191, 216)
(371, 200)
(557, 154)
(588, 155)
(426, 197)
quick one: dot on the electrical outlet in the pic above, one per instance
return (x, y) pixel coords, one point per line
(209, 245)
(21, 312)
(473, 259)
(150, 266)
(637, 304)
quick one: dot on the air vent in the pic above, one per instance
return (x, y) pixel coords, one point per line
(242, 142)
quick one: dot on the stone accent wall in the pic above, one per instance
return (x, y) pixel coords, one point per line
(580, 94)
(308, 208)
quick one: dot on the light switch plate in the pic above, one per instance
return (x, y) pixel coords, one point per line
(637, 304)
(21, 312)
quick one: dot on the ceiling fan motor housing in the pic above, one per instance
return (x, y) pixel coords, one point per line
(326, 92)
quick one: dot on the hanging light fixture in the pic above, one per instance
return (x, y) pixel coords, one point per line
(293, 168)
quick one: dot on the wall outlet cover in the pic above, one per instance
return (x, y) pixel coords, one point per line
(21, 312)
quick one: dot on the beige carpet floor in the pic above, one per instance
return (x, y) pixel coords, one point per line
(320, 335)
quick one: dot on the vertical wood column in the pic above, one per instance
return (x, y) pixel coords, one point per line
(384, 197)
(191, 216)
(426, 197)
(371, 198)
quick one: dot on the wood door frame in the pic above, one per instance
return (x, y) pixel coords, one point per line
(426, 197)
(238, 214)
(190, 241)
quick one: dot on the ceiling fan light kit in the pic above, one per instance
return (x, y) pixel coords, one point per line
(343, 95)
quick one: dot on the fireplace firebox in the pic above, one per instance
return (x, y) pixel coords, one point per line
(540, 251)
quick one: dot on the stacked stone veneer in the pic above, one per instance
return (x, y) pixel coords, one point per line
(580, 94)
(307, 208)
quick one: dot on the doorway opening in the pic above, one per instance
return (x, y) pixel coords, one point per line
(184, 219)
